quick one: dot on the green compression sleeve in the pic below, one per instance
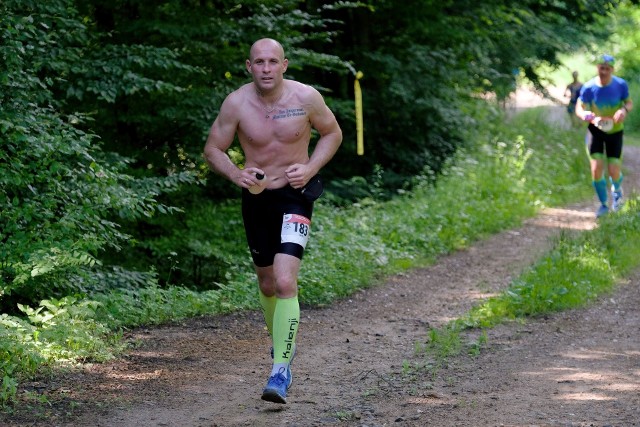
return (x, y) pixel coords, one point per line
(601, 190)
(268, 307)
(285, 328)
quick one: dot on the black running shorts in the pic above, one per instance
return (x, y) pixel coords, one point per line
(277, 221)
(599, 143)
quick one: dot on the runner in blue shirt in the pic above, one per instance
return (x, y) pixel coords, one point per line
(604, 103)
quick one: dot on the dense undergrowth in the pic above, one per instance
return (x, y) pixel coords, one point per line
(506, 174)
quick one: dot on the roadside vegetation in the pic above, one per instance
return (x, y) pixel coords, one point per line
(579, 269)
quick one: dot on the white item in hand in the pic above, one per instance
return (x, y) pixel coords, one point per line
(605, 124)
(260, 186)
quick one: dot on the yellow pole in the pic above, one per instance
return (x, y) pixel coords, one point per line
(359, 121)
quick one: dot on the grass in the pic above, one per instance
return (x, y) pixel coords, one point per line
(577, 271)
(632, 138)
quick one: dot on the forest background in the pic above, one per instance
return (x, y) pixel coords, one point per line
(110, 218)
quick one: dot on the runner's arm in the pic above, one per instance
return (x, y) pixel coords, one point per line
(220, 137)
(324, 121)
(622, 112)
(583, 114)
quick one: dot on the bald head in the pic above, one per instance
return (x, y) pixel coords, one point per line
(266, 45)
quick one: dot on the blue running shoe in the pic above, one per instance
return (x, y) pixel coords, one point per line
(289, 376)
(602, 210)
(276, 389)
(617, 200)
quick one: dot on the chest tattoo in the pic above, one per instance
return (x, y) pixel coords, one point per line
(289, 112)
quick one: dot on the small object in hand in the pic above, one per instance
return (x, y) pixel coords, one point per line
(605, 124)
(588, 116)
(259, 187)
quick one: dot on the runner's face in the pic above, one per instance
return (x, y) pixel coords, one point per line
(605, 71)
(267, 65)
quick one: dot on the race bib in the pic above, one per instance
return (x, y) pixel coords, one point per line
(295, 229)
(605, 124)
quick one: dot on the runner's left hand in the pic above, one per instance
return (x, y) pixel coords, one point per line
(298, 175)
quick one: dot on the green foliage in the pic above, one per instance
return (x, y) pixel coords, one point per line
(623, 44)
(146, 79)
(153, 305)
(197, 255)
(443, 343)
(58, 331)
(61, 196)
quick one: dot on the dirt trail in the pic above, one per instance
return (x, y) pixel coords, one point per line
(578, 368)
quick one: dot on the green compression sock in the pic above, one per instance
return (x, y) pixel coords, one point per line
(601, 190)
(286, 318)
(268, 307)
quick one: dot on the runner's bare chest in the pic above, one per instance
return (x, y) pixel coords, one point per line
(284, 124)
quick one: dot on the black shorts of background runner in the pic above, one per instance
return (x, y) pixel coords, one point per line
(263, 214)
(599, 142)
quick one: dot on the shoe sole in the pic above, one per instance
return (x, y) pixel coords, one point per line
(273, 396)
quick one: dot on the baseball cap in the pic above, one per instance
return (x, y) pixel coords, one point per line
(606, 60)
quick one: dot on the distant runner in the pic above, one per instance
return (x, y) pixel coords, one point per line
(604, 102)
(572, 92)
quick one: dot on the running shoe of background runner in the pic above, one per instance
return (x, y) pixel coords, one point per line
(617, 200)
(602, 210)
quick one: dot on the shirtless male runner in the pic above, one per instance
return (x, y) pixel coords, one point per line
(273, 118)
